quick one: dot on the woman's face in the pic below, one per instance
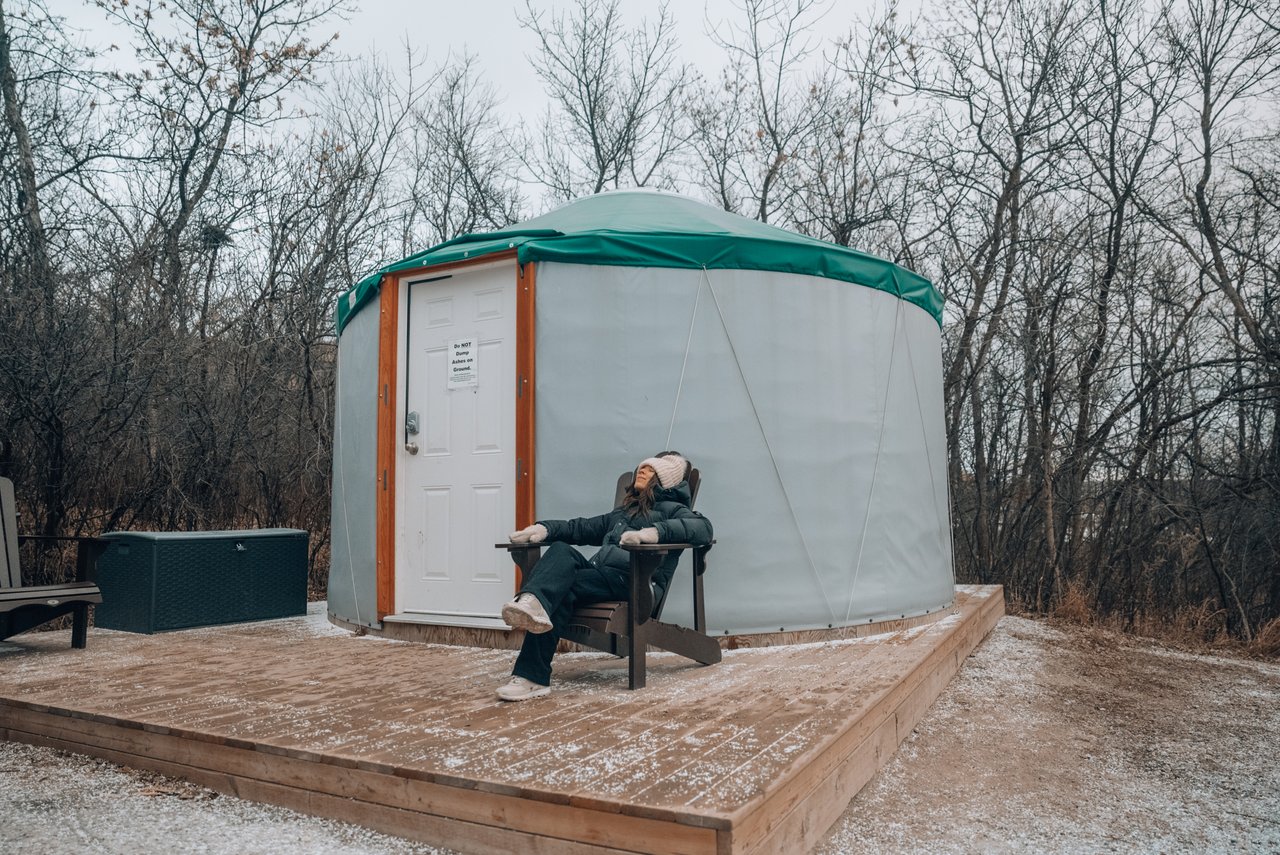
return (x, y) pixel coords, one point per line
(643, 476)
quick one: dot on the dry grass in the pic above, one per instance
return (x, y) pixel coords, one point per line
(1266, 644)
(1202, 629)
(1076, 606)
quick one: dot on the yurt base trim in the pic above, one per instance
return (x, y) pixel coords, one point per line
(423, 631)
(754, 759)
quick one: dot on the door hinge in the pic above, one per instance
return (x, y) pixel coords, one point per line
(519, 468)
(519, 385)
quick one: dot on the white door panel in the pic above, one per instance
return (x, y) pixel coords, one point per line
(458, 491)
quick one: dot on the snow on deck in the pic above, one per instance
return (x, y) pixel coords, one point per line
(700, 746)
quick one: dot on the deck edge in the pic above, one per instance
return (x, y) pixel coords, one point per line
(798, 811)
(377, 800)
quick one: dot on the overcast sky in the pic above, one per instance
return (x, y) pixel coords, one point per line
(490, 30)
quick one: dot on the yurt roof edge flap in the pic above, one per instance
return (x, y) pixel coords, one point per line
(647, 229)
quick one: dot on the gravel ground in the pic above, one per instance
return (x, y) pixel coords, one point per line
(1049, 739)
(1066, 740)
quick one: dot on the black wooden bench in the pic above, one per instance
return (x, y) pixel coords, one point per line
(24, 607)
(616, 627)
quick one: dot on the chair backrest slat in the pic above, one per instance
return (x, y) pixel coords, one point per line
(624, 481)
(10, 573)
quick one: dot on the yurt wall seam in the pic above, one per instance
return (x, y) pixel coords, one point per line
(928, 456)
(924, 431)
(697, 295)
(804, 542)
(875, 463)
(342, 487)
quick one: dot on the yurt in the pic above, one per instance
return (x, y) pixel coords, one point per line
(501, 378)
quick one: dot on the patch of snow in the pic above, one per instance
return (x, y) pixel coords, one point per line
(56, 803)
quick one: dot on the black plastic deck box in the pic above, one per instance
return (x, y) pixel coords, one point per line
(157, 581)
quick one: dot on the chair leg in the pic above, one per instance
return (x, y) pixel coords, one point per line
(80, 626)
(639, 607)
(636, 659)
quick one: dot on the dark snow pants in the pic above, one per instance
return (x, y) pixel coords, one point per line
(562, 580)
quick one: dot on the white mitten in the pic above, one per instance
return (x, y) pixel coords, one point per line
(535, 533)
(644, 535)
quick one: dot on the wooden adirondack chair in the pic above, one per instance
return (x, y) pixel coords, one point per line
(24, 607)
(615, 627)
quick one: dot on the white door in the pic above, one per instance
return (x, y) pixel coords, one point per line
(457, 490)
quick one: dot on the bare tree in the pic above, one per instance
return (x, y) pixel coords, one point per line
(27, 196)
(848, 179)
(616, 94)
(999, 75)
(1230, 53)
(1117, 117)
(1094, 189)
(749, 131)
(460, 178)
(1216, 213)
(47, 94)
(209, 68)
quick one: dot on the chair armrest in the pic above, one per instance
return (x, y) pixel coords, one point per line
(699, 552)
(660, 547)
(524, 554)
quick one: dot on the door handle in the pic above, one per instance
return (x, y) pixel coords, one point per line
(411, 447)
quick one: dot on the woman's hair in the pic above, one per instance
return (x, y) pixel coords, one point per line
(640, 502)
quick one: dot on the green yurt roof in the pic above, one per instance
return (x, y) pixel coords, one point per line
(643, 228)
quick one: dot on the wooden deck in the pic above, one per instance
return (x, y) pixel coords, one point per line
(759, 754)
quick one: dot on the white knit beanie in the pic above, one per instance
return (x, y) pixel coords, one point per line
(670, 469)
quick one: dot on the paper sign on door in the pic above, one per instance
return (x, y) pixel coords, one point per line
(463, 363)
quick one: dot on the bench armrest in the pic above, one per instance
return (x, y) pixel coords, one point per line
(88, 549)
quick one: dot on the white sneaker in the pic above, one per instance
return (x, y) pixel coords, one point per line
(520, 689)
(525, 612)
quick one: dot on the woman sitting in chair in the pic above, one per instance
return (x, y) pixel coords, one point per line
(654, 510)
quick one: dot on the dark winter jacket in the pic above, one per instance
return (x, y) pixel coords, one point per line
(670, 515)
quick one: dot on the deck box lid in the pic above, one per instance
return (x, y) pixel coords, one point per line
(234, 534)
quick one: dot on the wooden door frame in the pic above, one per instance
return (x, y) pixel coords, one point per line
(390, 347)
